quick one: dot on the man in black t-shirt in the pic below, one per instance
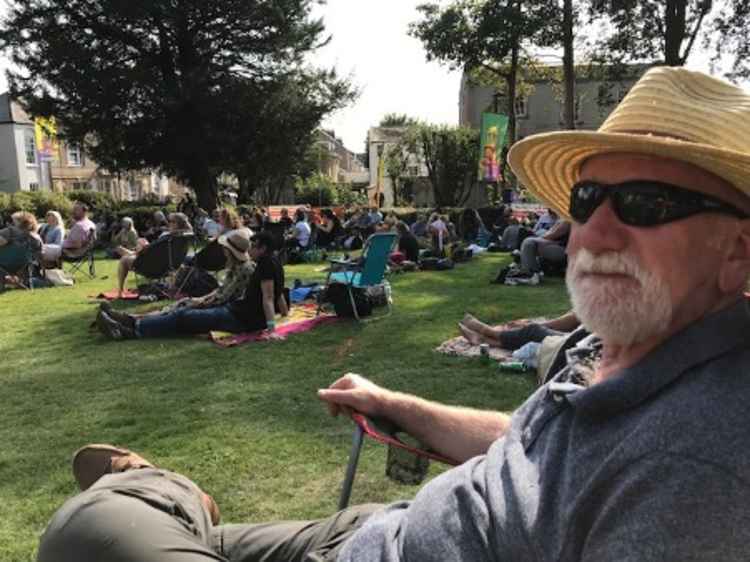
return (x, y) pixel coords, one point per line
(264, 296)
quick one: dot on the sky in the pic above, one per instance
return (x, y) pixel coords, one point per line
(370, 44)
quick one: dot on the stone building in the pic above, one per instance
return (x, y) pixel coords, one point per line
(542, 109)
(64, 167)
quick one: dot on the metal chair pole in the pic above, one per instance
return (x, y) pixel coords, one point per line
(351, 469)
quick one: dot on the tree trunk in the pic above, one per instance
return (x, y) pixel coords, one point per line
(569, 106)
(206, 189)
(510, 80)
(675, 31)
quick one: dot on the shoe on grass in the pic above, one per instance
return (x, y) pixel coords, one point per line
(93, 461)
(126, 320)
(113, 329)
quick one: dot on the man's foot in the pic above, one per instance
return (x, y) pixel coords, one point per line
(125, 319)
(94, 461)
(472, 337)
(112, 328)
(472, 323)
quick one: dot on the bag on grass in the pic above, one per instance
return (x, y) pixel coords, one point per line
(338, 295)
(195, 282)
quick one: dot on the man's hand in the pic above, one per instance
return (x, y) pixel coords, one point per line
(354, 393)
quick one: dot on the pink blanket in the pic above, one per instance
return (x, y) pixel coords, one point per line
(230, 340)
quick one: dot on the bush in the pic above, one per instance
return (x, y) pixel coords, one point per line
(345, 195)
(142, 215)
(98, 203)
(318, 191)
(38, 203)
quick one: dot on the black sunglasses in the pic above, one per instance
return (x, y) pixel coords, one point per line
(644, 202)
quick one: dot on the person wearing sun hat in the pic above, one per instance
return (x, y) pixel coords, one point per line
(637, 448)
(192, 315)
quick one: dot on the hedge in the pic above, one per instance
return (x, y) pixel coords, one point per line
(101, 205)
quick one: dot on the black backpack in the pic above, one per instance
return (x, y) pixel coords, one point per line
(195, 282)
(338, 295)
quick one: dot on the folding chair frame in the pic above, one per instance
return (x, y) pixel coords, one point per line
(366, 426)
(87, 258)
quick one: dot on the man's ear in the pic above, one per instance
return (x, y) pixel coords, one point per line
(735, 271)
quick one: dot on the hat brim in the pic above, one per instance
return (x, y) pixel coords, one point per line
(224, 241)
(548, 164)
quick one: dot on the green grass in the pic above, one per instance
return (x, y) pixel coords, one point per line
(244, 423)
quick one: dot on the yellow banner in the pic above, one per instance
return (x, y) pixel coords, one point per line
(47, 144)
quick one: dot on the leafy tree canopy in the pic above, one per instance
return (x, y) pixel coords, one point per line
(163, 83)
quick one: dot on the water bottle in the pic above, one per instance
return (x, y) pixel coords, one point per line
(514, 367)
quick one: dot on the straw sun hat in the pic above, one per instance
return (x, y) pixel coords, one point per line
(670, 112)
(236, 242)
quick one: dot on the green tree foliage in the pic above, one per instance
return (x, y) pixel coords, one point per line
(397, 120)
(167, 84)
(489, 34)
(668, 32)
(450, 155)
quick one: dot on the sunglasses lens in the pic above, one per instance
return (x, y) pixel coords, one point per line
(584, 199)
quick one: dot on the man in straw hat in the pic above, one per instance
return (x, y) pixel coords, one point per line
(638, 448)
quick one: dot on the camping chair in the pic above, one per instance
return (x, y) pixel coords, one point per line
(387, 433)
(211, 258)
(369, 272)
(156, 261)
(16, 259)
(77, 263)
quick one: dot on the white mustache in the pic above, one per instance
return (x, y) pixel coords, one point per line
(585, 262)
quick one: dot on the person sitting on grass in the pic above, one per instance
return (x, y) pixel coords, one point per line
(549, 247)
(262, 298)
(407, 242)
(125, 241)
(157, 226)
(178, 224)
(636, 450)
(299, 238)
(329, 229)
(512, 338)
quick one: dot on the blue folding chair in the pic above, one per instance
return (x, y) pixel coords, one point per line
(17, 260)
(369, 272)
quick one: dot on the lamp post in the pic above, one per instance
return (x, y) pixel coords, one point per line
(379, 187)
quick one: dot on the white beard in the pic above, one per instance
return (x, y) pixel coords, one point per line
(620, 311)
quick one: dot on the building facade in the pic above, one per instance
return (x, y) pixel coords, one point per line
(67, 168)
(542, 110)
(337, 162)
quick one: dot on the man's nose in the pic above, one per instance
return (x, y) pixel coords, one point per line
(602, 232)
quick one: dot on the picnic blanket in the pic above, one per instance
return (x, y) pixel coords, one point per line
(301, 319)
(127, 295)
(460, 346)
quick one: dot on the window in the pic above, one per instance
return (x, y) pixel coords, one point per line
(33, 186)
(133, 191)
(74, 155)
(80, 186)
(522, 109)
(30, 148)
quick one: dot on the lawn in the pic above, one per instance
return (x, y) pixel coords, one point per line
(244, 423)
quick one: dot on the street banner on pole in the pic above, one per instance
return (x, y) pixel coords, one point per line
(492, 140)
